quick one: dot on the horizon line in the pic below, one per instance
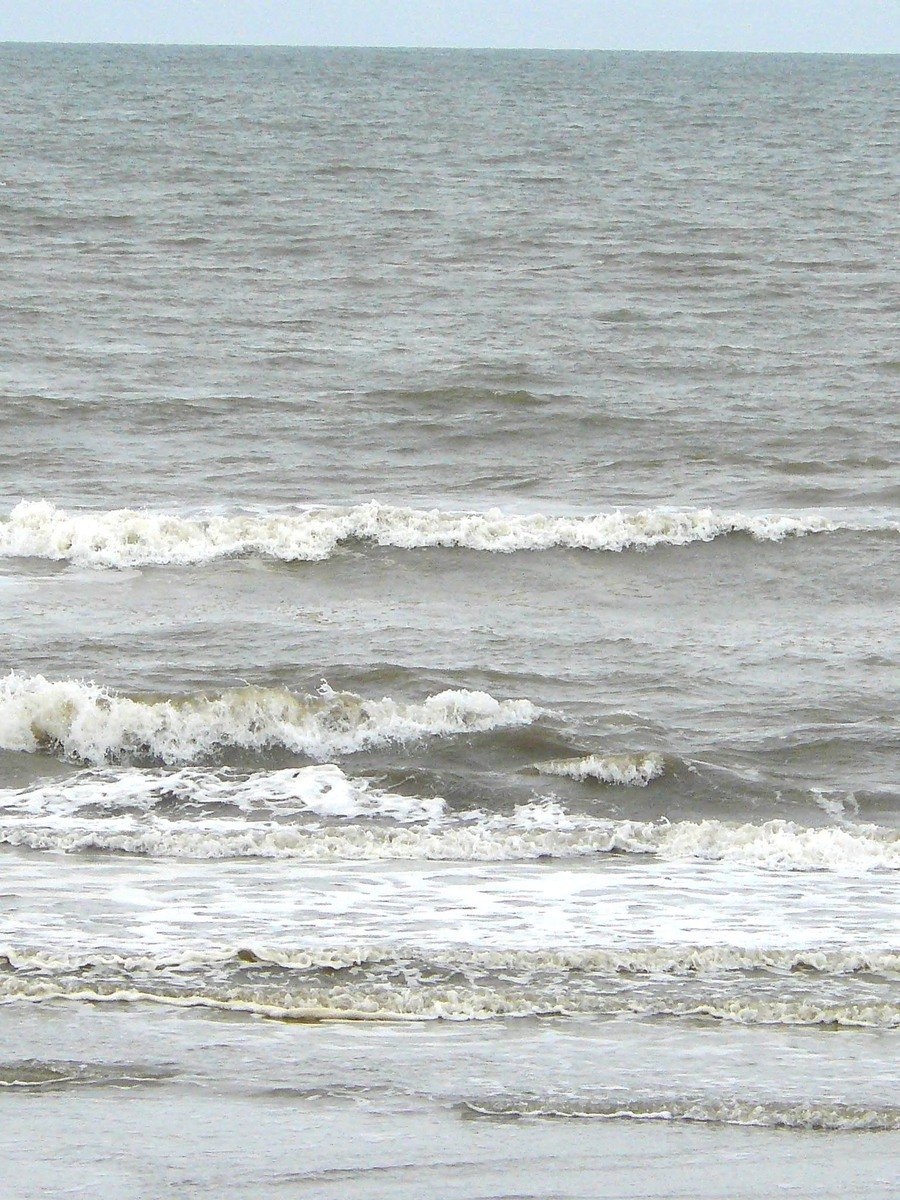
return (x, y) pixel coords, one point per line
(198, 45)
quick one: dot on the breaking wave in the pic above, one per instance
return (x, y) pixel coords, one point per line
(87, 722)
(532, 831)
(747, 985)
(451, 1000)
(634, 770)
(130, 538)
(675, 959)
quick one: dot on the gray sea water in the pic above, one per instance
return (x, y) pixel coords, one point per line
(448, 638)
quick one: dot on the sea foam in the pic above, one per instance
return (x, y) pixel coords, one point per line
(398, 1001)
(321, 790)
(611, 962)
(532, 831)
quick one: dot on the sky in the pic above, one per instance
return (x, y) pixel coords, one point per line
(836, 26)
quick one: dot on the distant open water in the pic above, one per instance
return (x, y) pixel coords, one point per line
(448, 538)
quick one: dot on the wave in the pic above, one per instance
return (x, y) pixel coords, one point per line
(674, 959)
(36, 1075)
(805, 1114)
(634, 770)
(747, 985)
(532, 831)
(440, 399)
(130, 538)
(454, 1000)
(87, 722)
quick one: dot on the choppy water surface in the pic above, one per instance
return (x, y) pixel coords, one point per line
(448, 531)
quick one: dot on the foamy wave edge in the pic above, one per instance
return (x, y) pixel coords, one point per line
(728, 1111)
(90, 723)
(131, 538)
(658, 960)
(463, 1002)
(540, 830)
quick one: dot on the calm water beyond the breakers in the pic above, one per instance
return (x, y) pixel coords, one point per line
(449, 518)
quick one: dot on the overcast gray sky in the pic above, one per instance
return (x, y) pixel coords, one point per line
(831, 25)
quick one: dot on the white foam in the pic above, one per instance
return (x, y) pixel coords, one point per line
(629, 770)
(88, 722)
(391, 1001)
(323, 790)
(607, 962)
(531, 831)
(128, 537)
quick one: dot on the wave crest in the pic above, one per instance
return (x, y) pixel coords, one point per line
(627, 770)
(87, 722)
(130, 538)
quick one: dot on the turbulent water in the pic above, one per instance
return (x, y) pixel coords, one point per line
(448, 538)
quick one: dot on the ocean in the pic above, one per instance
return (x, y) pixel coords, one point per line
(448, 624)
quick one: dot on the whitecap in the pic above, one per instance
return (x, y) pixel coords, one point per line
(131, 537)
